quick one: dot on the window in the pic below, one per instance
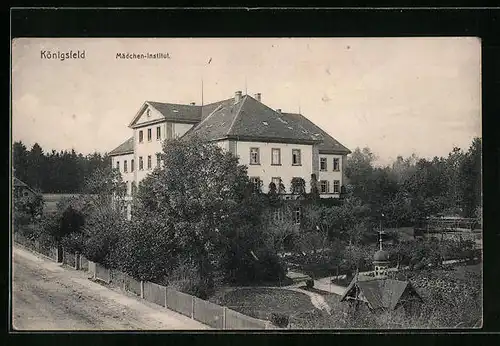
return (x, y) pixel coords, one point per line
(323, 186)
(336, 186)
(336, 165)
(132, 165)
(149, 135)
(158, 160)
(134, 188)
(276, 156)
(126, 187)
(296, 157)
(125, 168)
(322, 164)
(158, 133)
(141, 164)
(254, 156)
(256, 183)
(118, 165)
(149, 161)
(296, 215)
(141, 136)
(148, 112)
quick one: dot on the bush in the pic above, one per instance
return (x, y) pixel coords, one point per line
(186, 278)
(309, 283)
(280, 320)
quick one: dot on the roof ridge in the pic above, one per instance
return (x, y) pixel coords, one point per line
(318, 127)
(236, 115)
(220, 101)
(193, 128)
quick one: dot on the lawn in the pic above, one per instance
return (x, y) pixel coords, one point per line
(262, 302)
(51, 200)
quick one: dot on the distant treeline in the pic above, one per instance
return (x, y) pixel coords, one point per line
(55, 172)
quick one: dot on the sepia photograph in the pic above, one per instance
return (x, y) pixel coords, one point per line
(246, 184)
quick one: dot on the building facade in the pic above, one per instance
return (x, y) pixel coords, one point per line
(274, 145)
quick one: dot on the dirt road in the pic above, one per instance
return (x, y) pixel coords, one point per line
(46, 296)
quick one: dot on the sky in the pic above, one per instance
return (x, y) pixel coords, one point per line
(397, 96)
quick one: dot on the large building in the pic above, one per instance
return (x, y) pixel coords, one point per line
(275, 145)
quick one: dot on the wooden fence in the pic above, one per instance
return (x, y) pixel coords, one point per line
(211, 314)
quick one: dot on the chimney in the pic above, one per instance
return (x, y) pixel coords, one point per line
(278, 110)
(237, 96)
(257, 97)
(193, 103)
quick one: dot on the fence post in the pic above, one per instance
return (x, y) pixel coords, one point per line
(192, 307)
(142, 289)
(224, 317)
(77, 261)
(165, 305)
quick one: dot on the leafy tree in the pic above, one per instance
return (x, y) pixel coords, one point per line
(359, 166)
(36, 161)
(314, 191)
(20, 161)
(470, 174)
(209, 204)
(298, 186)
(280, 227)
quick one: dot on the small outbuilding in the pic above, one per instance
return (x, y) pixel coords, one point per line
(379, 292)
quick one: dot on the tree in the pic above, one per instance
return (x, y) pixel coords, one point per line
(209, 204)
(314, 191)
(105, 215)
(280, 227)
(470, 174)
(20, 161)
(37, 168)
(298, 186)
(359, 166)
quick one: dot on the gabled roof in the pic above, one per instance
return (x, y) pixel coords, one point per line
(380, 293)
(19, 183)
(329, 144)
(177, 112)
(248, 119)
(126, 147)
(171, 111)
(251, 119)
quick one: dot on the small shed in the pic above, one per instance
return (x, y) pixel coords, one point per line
(23, 191)
(381, 293)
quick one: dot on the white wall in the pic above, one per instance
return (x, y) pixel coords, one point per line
(153, 115)
(223, 144)
(128, 176)
(181, 129)
(330, 175)
(154, 146)
(147, 148)
(265, 171)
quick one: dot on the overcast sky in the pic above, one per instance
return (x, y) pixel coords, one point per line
(397, 96)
